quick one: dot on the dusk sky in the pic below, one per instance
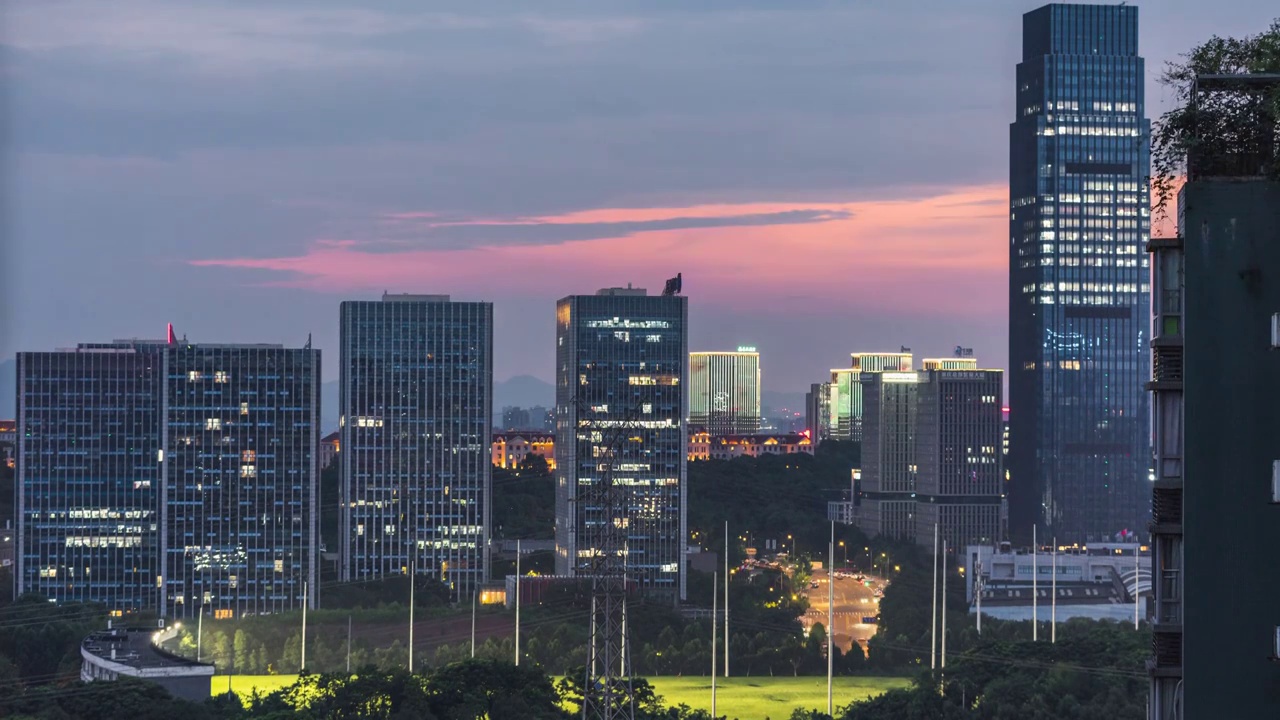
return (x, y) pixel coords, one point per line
(828, 176)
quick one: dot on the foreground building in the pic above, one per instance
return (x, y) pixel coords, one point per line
(1079, 295)
(416, 411)
(887, 502)
(620, 365)
(1215, 382)
(169, 476)
(724, 391)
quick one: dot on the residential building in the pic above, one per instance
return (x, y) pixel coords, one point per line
(724, 391)
(416, 434)
(140, 462)
(887, 502)
(817, 411)
(959, 483)
(1079, 294)
(1215, 382)
(620, 363)
(511, 448)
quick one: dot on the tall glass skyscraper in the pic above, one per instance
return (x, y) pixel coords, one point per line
(1079, 289)
(620, 361)
(724, 391)
(417, 421)
(170, 476)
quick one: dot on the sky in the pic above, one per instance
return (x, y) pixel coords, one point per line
(829, 177)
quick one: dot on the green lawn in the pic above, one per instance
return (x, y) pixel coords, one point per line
(744, 698)
(757, 698)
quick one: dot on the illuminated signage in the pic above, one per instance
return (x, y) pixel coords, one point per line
(745, 348)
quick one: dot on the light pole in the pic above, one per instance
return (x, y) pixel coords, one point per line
(845, 552)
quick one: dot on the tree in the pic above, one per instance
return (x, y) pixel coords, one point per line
(240, 649)
(492, 688)
(1233, 133)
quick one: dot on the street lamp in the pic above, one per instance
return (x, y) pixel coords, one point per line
(845, 551)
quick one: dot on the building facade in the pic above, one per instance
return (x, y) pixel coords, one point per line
(817, 411)
(1215, 380)
(886, 504)
(170, 476)
(1079, 294)
(90, 471)
(416, 431)
(846, 404)
(8, 441)
(705, 446)
(724, 391)
(960, 461)
(511, 448)
(620, 364)
(241, 478)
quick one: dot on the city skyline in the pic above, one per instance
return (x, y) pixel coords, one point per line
(214, 209)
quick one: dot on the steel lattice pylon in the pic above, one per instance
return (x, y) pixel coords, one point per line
(608, 693)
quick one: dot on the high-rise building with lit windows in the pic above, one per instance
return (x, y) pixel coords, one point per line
(170, 476)
(416, 419)
(724, 391)
(1079, 289)
(960, 483)
(620, 368)
(886, 503)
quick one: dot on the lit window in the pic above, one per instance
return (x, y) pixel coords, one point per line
(221, 376)
(195, 376)
(248, 471)
(213, 423)
(244, 408)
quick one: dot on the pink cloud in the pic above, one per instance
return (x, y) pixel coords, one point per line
(938, 254)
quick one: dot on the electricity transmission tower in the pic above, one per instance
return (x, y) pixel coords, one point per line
(603, 521)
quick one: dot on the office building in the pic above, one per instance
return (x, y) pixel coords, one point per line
(846, 405)
(532, 418)
(886, 504)
(416, 412)
(91, 466)
(620, 365)
(1215, 382)
(817, 411)
(241, 479)
(169, 476)
(724, 391)
(959, 483)
(1079, 294)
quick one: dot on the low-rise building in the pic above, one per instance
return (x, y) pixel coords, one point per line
(330, 446)
(704, 446)
(8, 440)
(112, 653)
(1097, 581)
(509, 449)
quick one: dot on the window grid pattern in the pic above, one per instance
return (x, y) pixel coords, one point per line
(241, 478)
(88, 476)
(1079, 280)
(602, 342)
(724, 392)
(416, 407)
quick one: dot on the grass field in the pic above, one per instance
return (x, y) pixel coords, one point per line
(744, 698)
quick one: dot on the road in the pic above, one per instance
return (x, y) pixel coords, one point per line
(854, 601)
